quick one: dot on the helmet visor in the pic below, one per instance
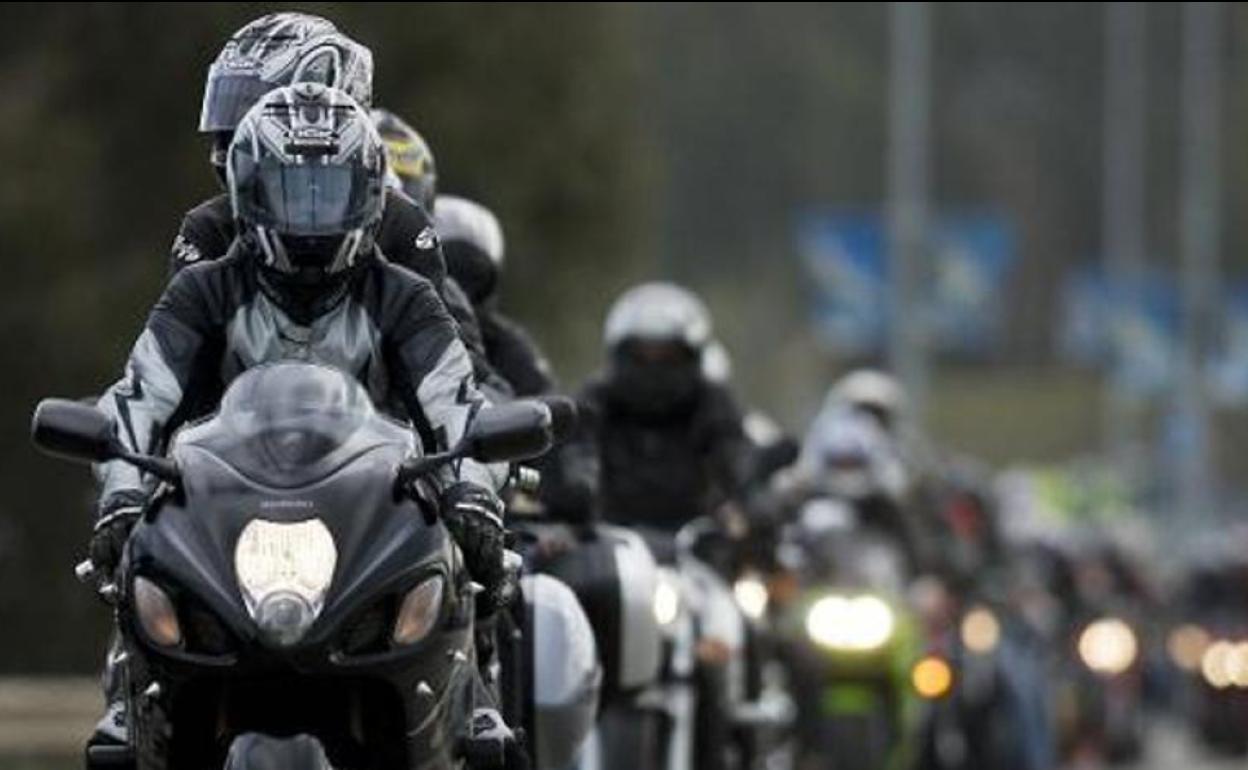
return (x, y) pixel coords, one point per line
(306, 198)
(227, 98)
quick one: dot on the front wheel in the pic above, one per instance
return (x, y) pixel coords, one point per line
(253, 751)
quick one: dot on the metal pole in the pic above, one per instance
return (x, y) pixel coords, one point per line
(907, 196)
(1199, 243)
(1123, 202)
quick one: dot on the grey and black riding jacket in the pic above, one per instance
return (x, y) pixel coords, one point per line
(215, 320)
(406, 236)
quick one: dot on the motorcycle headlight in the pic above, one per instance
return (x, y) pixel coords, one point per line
(284, 571)
(156, 613)
(1187, 646)
(932, 677)
(666, 599)
(1225, 664)
(1108, 646)
(419, 612)
(980, 630)
(858, 624)
(751, 595)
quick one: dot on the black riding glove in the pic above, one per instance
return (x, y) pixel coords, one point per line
(474, 516)
(117, 517)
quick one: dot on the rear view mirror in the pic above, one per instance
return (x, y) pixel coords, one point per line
(519, 430)
(75, 430)
(564, 417)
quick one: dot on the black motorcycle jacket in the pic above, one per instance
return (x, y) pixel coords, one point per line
(406, 237)
(214, 321)
(514, 354)
(651, 471)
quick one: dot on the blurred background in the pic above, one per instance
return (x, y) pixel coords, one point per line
(1029, 210)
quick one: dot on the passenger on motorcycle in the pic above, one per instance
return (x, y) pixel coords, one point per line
(278, 50)
(305, 279)
(472, 241)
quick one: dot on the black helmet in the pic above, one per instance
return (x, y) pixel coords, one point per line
(273, 51)
(412, 169)
(306, 174)
(472, 241)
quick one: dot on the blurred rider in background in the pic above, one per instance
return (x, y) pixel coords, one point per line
(473, 243)
(660, 444)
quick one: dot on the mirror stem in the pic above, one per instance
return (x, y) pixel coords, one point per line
(416, 467)
(160, 467)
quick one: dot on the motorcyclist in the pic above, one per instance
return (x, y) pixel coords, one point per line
(659, 443)
(306, 280)
(472, 241)
(277, 50)
(848, 455)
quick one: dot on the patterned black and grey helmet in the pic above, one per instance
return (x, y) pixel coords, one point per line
(306, 174)
(412, 169)
(278, 50)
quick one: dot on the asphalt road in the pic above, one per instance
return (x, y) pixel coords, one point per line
(43, 723)
(1170, 748)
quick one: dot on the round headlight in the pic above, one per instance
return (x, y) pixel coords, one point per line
(751, 594)
(1108, 646)
(932, 677)
(419, 612)
(1187, 645)
(156, 613)
(859, 624)
(666, 599)
(980, 630)
(1216, 664)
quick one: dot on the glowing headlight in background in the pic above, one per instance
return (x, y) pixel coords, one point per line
(980, 630)
(931, 677)
(751, 596)
(666, 599)
(284, 571)
(1216, 664)
(1108, 646)
(1187, 645)
(1225, 664)
(860, 624)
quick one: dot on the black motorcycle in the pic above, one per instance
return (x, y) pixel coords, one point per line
(289, 597)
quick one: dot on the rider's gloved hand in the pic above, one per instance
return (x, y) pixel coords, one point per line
(474, 516)
(112, 528)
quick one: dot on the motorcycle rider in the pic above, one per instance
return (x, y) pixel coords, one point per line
(472, 241)
(284, 48)
(848, 455)
(305, 279)
(658, 443)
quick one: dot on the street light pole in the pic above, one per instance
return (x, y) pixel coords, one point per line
(909, 52)
(1200, 226)
(1123, 202)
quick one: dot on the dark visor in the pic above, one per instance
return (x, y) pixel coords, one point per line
(307, 198)
(227, 99)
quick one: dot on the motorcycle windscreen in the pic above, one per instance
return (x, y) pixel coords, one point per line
(287, 424)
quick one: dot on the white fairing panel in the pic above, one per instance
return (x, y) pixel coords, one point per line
(641, 645)
(567, 675)
(719, 617)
